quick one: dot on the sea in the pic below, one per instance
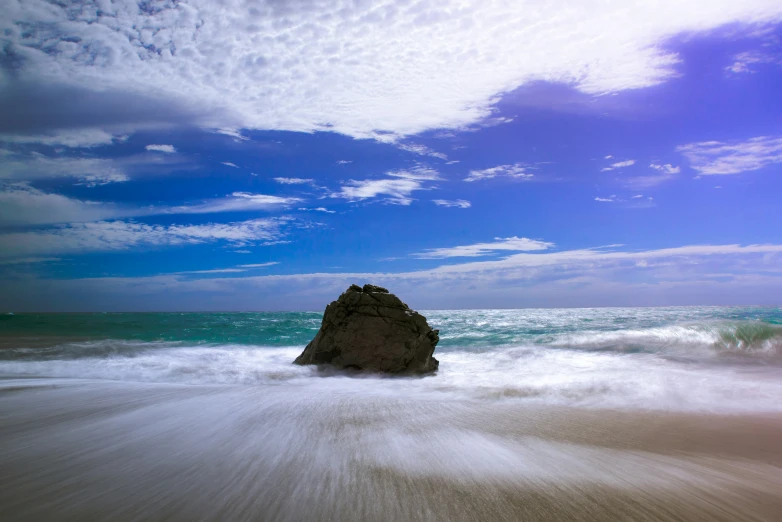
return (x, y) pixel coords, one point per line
(535, 414)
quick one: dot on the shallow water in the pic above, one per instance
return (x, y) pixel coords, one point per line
(598, 414)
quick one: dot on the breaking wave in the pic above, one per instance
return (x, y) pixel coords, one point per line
(748, 339)
(532, 373)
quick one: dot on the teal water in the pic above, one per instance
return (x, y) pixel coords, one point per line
(695, 358)
(742, 326)
(263, 329)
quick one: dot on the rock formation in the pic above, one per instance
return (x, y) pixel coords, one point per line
(371, 329)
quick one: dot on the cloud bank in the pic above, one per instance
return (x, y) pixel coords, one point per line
(108, 236)
(364, 69)
(693, 274)
(23, 205)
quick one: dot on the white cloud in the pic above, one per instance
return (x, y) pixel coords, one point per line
(161, 148)
(666, 173)
(293, 181)
(319, 209)
(716, 158)
(236, 202)
(492, 122)
(513, 244)
(609, 157)
(418, 173)
(618, 165)
(103, 236)
(229, 164)
(344, 162)
(637, 201)
(234, 133)
(398, 191)
(22, 205)
(422, 150)
(458, 203)
(103, 178)
(214, 271)
(235, 270)
(88, 171)
(328, 65)
(516, 171)
(587, 256)
(666, 169)
(29, 260)
(746, 63)
(75, 138)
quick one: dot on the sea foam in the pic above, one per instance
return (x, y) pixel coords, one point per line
(535, 374)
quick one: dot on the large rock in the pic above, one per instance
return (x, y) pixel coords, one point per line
(370, 329)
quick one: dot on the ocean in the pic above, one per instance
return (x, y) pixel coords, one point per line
(535, 414)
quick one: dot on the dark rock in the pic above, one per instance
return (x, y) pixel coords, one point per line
(371, 329)
(372, 288)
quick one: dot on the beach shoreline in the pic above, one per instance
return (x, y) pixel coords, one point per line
(80, 449)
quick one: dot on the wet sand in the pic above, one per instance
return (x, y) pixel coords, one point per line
(82, 450)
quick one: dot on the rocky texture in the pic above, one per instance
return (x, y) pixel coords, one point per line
(371, 329)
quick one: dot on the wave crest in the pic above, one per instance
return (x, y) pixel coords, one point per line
(750, 339)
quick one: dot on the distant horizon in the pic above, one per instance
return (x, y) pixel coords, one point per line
(311, 311)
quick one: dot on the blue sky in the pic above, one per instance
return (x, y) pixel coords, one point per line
(264, 155)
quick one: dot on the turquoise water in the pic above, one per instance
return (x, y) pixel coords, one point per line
(696, 358)
(743, 326)
(263, 329)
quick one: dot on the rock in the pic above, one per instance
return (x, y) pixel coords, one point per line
(371, 329)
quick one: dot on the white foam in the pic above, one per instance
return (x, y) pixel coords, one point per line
(535, 374)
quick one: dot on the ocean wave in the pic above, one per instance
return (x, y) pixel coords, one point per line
(530, 373)
(64, 349)
(745, 338)
(169, 362)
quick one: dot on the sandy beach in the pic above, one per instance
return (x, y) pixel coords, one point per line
(81, 450)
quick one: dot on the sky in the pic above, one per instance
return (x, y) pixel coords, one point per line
(264, 155)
